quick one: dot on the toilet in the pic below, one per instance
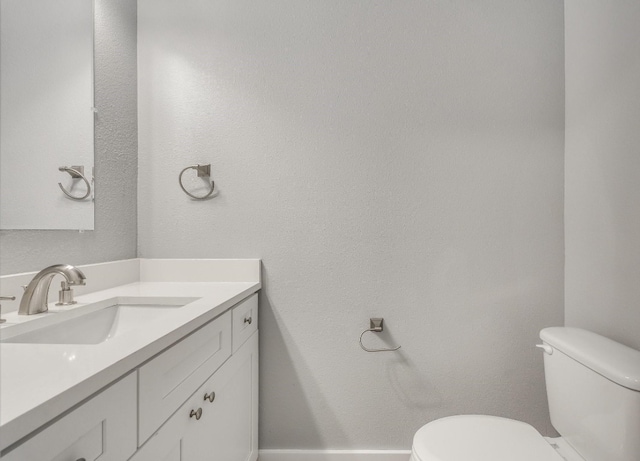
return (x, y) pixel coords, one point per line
(593, 388)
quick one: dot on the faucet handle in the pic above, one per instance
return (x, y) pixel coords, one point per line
(6, 298)
(65, 295)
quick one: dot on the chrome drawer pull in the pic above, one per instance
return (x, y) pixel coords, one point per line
(81, 459)
(248, 320)
(197, 413)
(210, 397)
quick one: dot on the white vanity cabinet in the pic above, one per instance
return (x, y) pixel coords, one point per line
(103, 428)
(171, 377)
(219, 422)
(195, 401)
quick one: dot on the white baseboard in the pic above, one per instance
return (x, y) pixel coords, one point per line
(334, 455)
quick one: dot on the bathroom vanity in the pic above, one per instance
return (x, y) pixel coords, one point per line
(164, 367)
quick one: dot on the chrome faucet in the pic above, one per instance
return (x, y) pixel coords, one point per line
(34, 300)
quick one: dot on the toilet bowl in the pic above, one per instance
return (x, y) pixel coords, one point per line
(486, 438)
(593, 387)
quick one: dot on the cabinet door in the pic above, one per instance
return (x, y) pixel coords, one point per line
(104, 428)
(171, 377)
(230, 424)
(228, 427)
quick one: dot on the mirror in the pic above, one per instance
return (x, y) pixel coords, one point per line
(46, 114)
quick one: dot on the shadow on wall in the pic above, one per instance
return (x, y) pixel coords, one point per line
(300, 414)
(282, 372)
(411, 388)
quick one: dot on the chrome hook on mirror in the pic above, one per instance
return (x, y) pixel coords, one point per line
(204, 171)
(76, 172)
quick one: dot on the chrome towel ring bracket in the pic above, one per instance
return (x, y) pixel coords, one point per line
(76, 172)
(376, 326)
(204, 171)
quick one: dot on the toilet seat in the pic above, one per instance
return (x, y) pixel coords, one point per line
(481, 438)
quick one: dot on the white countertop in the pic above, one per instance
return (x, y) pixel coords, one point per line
(38, 382)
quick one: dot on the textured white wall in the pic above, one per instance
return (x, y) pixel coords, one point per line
(384, 158)
(602, 210)
(116, 159)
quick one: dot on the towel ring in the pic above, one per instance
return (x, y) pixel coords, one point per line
(76, 172)
(204, 171)
(375, 326)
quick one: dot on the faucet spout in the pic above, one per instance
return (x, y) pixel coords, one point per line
(34, 300)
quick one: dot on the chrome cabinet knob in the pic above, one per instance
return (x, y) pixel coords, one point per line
(197, 413)
(210, 397)
(248, 320)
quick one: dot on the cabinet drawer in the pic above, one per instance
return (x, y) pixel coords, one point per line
(103, 428)
(170, 378)
(245, 321)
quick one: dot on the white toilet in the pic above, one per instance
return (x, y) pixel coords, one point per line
(593, 386)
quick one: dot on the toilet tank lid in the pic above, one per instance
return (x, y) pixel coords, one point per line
(614, 361)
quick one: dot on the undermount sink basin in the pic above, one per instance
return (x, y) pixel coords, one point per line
(95, 324)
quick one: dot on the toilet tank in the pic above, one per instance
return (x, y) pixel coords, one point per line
(593, 387)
